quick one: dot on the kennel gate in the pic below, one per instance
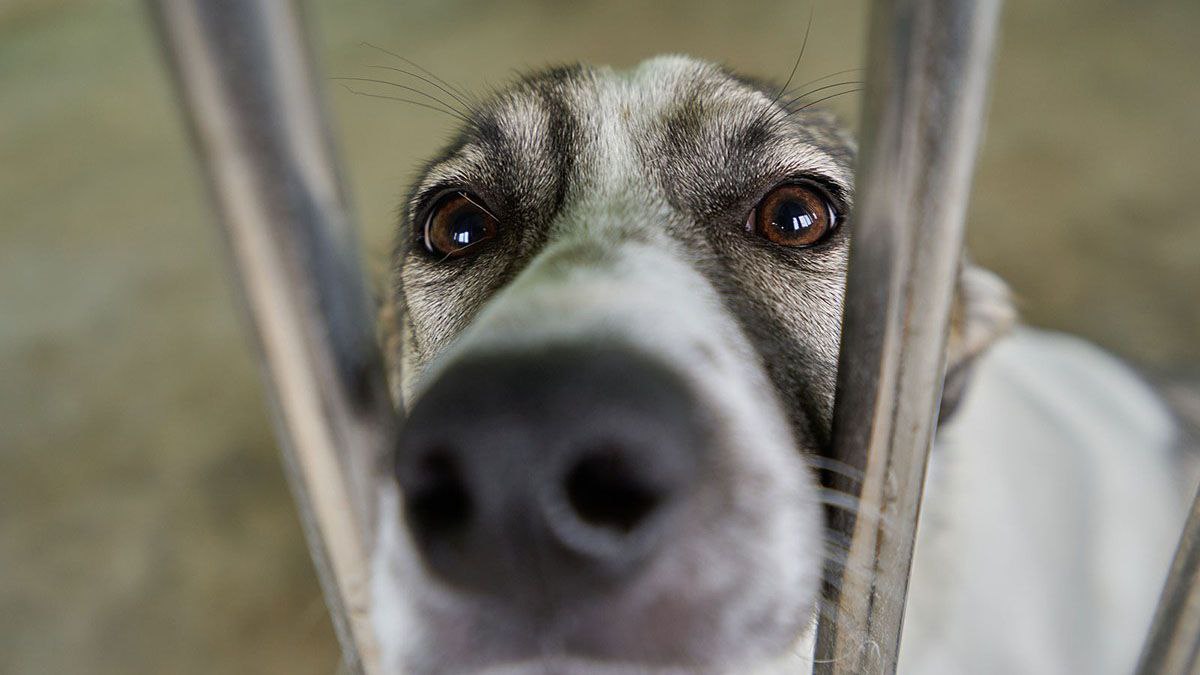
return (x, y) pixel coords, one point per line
(244, 72)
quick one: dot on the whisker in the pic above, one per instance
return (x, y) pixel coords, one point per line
(826, 608)
(837, 540)
(847, 83)
(837, 586)
(460, 250)
(806, 106)
(835, 466)
(812, 10)
(836, 570)
(414, 90)
(852, 505)
(822, 79)
(416, 65)
(466, 104)
(405, 100)
(837, 562)
(477, 204)
(839, 500)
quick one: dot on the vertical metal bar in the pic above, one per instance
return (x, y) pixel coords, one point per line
(1173, 646)
(927, 71)
(245, 75)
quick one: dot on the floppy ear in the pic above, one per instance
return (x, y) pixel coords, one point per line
(982, 313)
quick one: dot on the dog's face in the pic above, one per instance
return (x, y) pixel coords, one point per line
(621, 297)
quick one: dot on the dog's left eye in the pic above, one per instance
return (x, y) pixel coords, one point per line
(797, 215)
(457, 225)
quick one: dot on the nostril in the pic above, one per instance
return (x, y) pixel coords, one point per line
(437, 501)
(605, 489)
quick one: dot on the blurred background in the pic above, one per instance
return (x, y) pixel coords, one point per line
(144, 523)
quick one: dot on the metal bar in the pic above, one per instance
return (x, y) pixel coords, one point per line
(928, 63)
(246, 78)
(1173, 645)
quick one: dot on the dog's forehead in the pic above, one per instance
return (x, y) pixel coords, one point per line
(690, 128)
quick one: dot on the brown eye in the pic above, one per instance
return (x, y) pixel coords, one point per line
(795, 215)
(457, 226)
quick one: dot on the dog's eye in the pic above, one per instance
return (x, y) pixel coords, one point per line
(797, 215)
(457, 226)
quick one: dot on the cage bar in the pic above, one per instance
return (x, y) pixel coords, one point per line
(1173, 645)
(245, 76)
(928, 63)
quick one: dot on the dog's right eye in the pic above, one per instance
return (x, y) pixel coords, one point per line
(795, 215)
(458, 225)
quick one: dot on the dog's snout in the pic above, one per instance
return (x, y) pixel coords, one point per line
(547, 473)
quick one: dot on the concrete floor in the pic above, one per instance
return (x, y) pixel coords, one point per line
(144, 523)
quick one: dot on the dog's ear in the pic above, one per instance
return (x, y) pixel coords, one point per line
(982, 312)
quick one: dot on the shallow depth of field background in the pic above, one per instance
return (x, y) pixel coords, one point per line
(144, 523)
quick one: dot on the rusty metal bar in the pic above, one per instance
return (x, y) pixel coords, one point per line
(928, 63)
(245, 75)
(1173, 646)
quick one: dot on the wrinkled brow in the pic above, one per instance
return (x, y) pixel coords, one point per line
(517, 154)
(712, 151)
(705, 142)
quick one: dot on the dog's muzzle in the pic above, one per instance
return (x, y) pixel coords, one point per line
(596, 472)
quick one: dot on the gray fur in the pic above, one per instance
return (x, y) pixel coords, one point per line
(622, 199)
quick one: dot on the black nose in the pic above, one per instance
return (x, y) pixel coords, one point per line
(547, 474)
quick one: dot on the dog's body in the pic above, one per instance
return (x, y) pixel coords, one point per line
(618, 360)
(1052, 507)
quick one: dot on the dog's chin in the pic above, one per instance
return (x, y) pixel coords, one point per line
(786, 664)
(611, 647)
(720, 604)
(658, 651)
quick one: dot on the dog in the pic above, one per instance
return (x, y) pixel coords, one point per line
(615, 313)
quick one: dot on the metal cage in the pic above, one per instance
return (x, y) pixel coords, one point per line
(246, 77)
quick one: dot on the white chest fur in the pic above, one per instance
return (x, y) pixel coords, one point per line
(1053, 505)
